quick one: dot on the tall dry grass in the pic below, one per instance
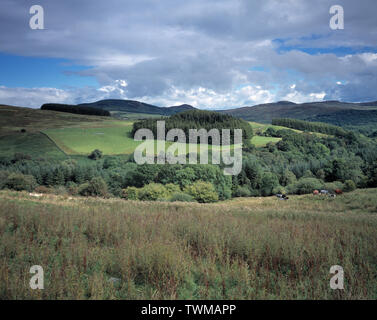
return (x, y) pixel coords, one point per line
(241, 249)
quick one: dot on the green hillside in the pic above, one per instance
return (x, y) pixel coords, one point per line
(266, 112)
(134, 107)
(54, 134)
(13, 119)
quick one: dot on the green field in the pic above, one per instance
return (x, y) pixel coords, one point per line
(112, 140)
(35, 144)
(260, 141)
(262, 127)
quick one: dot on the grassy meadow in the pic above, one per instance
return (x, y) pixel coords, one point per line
(113, 139)
(249, 248)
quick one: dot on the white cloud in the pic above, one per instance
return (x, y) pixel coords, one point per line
(299, 97)
(33, 97)
(165, 51)
(198, 97)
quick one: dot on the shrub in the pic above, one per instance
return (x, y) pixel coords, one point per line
(97, 187)
(130, 193)
(60, 190)
(268, 183)
(242, 191)
(181, 196)
(288, 177)
(3, 178)
(305, 186)
(349, 186)
(202, 191)
(72, 188)
(153, 192)
(279, 189)
(332, 186)
(95, 155)
(19, 182)
(172, 188)
(19, 156)
(43, 189)
(82, 189)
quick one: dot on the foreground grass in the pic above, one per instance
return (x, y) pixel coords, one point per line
(255, 248)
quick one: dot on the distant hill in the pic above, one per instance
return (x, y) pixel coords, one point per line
(284, 109)
(369, 104)
(132, 106)
(348, 117)
(181, 108)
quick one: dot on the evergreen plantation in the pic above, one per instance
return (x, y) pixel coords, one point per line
(199, 119)
(75, 109)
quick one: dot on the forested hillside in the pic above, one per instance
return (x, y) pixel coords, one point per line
(284, 109)
(363, 121)
(311, 126)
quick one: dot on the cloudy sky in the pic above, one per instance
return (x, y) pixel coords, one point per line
(207, 53)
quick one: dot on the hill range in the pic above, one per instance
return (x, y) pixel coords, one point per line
(326, 111)
(118, 107)
(285, 109)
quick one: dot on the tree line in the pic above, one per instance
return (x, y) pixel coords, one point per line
(311, 126)
(75, 109)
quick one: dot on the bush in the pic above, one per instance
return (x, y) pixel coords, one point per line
(43, 189)
(153, 192)
(181, 196)
(3, 178)
(60, 190)
(349, 186)
(242, 191)
(172, 188)
(97, 187)
(203, 192)
(130, 193)
(269, 182)
(332, 186)
(19, 182)
(305, 186)
(95, 155)
(288, 177)
(280, 190)
(72, 188)
(19, 156)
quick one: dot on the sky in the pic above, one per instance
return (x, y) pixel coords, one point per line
(212, 54)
